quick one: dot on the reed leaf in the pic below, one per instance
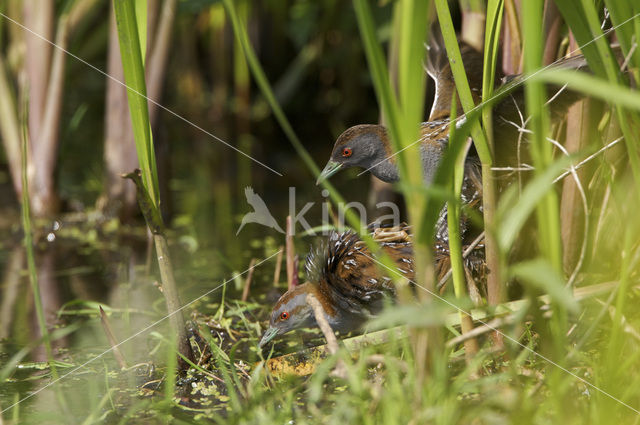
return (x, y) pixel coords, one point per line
(540, 274)
(28, 245)
(592, 86)
(460, 77)
(133, 64)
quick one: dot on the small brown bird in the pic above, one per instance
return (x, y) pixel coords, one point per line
(368, 145)
(345, 278)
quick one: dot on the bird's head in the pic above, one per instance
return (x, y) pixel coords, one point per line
(359, 146)
(290, 312)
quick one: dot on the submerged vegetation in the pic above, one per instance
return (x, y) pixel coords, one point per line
(106, 319)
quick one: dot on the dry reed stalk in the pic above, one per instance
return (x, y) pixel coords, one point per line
(106, 325)
(247, 282)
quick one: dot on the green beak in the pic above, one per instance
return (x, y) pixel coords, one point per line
(269, 334)
(330, 169)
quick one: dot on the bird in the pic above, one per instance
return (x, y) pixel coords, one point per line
(343, 275)
(368, 145)
(260, 213)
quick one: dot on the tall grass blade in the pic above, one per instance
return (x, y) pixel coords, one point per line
(541, 150)
(582, 18)
(460, 77)
(133, 65)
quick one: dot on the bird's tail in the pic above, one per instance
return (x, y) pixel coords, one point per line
(511, 109)
(509, 114)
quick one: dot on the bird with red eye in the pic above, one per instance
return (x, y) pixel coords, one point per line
(368, 146)
(343, 276)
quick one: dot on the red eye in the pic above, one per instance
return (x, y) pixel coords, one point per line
(284, 315)
(346, 152)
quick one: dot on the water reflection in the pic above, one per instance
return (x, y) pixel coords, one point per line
(73, 280)
(10, 290)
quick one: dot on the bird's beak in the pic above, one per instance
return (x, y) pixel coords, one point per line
(330, 169)
(269, 334)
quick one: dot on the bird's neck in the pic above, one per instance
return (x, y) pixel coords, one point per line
(386, 170)
(338, 318)
(433, 142)
(431, 155)
(434, 138)
(329, 312)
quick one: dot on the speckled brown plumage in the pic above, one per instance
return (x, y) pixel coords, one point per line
(344, 276)
(347, 280)
(348, 275)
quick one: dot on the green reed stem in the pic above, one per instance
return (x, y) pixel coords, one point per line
(482, 143)
(131, 22)
(541, 149)
(625, 118)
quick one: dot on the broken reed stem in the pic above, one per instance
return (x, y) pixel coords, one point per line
(479, 330)
(106, 326)
(471, 346)
(472, 288)
(296, 261)
(291, 253)
(332, 342)
(148, 261)
(276, 273)
(247, 282)
(152, 217)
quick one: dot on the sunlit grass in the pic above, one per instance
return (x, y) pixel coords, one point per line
(543, 391)
(592, 347)
(531, 402)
